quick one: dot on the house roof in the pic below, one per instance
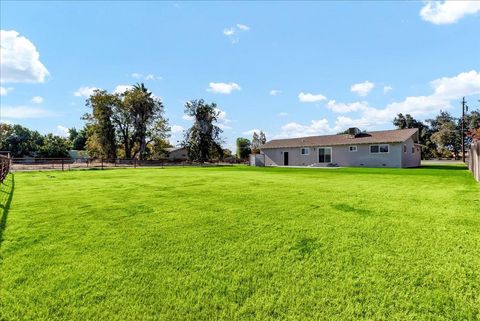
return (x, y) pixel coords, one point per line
(374, 137)
(172, 149)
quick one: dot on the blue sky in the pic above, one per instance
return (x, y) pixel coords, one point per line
(288, 68)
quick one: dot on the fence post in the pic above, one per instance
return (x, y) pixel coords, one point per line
(62, 164)
(134, 163)
(102, 162)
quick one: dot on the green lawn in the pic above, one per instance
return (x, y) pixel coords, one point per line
(241, 243)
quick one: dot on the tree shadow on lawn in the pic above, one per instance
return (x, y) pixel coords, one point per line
(444, 167)
(6, 195)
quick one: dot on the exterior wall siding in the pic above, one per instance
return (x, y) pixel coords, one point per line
(410, 159)
(342, 156)
(179, 154)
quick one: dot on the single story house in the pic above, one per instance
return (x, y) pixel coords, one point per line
(177, 153)
(386, 148)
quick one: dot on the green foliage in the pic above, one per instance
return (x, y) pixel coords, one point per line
(203, 138)
(54, 146)
(22, 142)
(243, 147)
(146, 115)
(78, 139)
(242, 243)
(446, 134)
(134, 119)
(102, 140)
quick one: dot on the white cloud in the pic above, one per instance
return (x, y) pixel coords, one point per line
(84, 91)
(120, 89)
(37, 100)
(363, 88)
(346, 107)
(251, 131)
(229, 31)
(5, 90)
(232, 33)
(310, 98)
(448, 12)
(62, 131)
(24, 112)
(243, 27)
(321, 127)
(386, 89)
(282, 114)
(446, 92)
(137, 75)
(223, 88)
(20, 60)
(465, 83)
(176, 129)
(274, 92)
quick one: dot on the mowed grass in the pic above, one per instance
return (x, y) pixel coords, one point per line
(241, 243)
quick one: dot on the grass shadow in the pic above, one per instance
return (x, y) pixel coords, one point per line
(350, 209)
(445, 167)
(6, 195)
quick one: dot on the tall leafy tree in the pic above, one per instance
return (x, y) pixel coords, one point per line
(243, 147)
(77, 138)
(102, 141)
(203, 138)
(147, 116)
(20, 141)
(446, 134)
(255, 143)
(471, 126)
(262, 138)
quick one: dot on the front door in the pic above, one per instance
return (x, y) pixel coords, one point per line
(325, 155)
(285, 158)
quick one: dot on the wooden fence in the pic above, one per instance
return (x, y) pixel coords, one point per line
(30, 163)
(474, 160)
(4, 167)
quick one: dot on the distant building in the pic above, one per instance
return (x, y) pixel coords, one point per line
(387, 148)
(177, 153)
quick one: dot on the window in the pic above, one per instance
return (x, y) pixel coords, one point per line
(375, 149)
(413, 150)
(305, 151)
(404, 148)
(352, 148)
(325, 155)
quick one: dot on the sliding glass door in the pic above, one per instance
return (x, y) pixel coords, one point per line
(325, 155)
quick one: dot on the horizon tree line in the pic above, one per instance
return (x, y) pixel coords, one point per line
(132, 125)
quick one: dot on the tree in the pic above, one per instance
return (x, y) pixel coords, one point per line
(203, 138)
(146, 112)
(255, 143)
(19, 140)
(445, 134)
(54, 146)
(262, 138)
(472, 126)
(102, 141)
(78, 139)
(243, 147)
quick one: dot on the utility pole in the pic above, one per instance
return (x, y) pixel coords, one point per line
(464, 108)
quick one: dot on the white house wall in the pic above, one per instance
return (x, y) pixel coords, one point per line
(342, 156)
